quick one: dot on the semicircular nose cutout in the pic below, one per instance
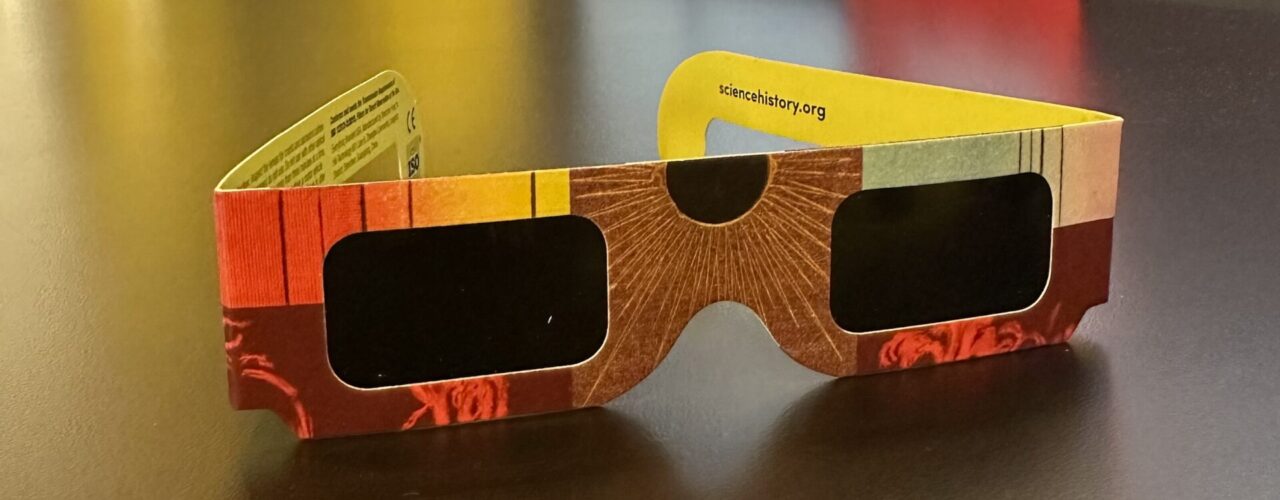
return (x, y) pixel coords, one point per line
(717, 190)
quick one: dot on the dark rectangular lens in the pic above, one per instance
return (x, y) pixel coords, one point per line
(924, 254)
(419, 305)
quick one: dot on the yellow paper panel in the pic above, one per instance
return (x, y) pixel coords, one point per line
(552, 192)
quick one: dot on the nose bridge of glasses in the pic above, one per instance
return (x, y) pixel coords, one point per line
(717, 190)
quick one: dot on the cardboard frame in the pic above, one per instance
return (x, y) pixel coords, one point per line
(775, 259)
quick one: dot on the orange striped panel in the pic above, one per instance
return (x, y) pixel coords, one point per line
(250, 250)
(386, 205)
(303, 250)
(341, 212)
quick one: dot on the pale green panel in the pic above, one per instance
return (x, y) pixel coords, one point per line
(1041, 152)
(942, 160)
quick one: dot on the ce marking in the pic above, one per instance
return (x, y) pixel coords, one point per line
(411, 120)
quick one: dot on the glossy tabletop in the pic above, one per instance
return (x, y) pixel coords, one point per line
(117, 119)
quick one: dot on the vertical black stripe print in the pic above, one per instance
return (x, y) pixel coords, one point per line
(284, 249)
(1062, 179)
(364, 216)
(409, 186)
(1042, 152)
(1034, 166)
(1031, 150)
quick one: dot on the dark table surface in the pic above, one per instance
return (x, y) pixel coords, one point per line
(117, 121)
